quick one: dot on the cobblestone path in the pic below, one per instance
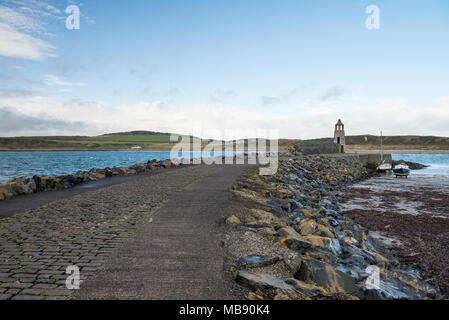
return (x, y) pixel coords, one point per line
(178, 254)
(37, 245)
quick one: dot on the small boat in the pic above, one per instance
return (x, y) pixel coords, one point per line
(401, 170)
(384, 166)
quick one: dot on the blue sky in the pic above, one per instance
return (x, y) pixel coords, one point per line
(294, 66)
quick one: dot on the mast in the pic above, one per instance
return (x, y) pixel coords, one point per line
(381, 148)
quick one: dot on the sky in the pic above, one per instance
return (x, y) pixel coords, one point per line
(240, 66)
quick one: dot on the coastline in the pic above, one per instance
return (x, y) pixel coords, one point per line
(286, 236)
(84, 150)
(397, 151)
(411, 213)
(289, 239)
(26, 186)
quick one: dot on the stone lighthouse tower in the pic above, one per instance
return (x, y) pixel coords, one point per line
(339, 136)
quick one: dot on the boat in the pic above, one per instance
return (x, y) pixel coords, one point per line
(401, 170)
(383, 166)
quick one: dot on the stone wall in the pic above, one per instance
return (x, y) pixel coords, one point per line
(21, 186)
(371, 160)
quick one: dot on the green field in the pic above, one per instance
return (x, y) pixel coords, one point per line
(148, 140)
(398, 143)
(105, 142)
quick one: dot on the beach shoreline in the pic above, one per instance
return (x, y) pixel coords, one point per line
(354, 151)
(288, 238)
(412, 213)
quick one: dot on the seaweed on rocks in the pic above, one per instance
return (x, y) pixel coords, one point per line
(323, 254)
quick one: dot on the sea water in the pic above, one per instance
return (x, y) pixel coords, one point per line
(438, 163)
(15, 164)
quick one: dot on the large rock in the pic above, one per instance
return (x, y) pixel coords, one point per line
(21, 186)
(5, 191)
(371, 257)
(166, 163)
(261, 281)
(66, 181)
(326, 276)
(139, 167)
(271, 286)
(323, 231)
(233, 220)
(150, 166)
(44, 183)
(399, 284)
(108, 172)
(288, 232)
(119, 171)
(324, 243)
(307, 226)
(256, 261)
(264, 216)
(292, 260)
(93, 176)
(297, 244)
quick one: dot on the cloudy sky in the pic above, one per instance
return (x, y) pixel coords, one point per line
(176, 66)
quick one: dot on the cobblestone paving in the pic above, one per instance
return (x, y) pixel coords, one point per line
(36, 246)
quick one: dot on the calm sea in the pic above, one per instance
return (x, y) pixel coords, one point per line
(439, 163)
(15, 164)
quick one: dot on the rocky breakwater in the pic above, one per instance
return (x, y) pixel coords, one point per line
(287, 239)
(21, 186)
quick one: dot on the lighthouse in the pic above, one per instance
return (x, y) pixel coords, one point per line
(339, 136)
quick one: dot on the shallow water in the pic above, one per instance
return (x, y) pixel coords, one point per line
(439, 163)
(419, 194)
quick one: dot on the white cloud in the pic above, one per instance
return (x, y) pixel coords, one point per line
(56, 81)
(18, 20)
(394, 117)
(18, 29)
(20, 45)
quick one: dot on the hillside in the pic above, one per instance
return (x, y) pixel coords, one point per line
(398, 142)
(430, 143)
(149, 140)
(115, 141)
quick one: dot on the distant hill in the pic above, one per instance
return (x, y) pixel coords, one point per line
(398, 142)
(150, 140)
(141, 132)
(113, 141)
(389, 142)
(144, 140)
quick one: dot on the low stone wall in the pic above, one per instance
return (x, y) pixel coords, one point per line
(371, 160)
(293, 242)
(21, 186)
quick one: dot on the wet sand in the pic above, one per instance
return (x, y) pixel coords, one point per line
(413, 213)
